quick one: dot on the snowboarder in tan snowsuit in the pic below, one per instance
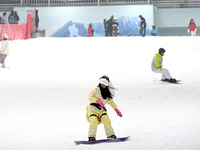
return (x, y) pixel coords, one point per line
(96, 111)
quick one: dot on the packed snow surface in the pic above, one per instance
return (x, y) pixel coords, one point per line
(43, 93)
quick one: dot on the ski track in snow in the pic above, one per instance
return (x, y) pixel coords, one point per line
(44, 93)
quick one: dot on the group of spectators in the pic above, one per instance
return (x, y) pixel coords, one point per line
(13, 18)
(112, 27)
(153, 32)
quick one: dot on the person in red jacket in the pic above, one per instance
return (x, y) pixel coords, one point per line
(192, 27)
(90, 31)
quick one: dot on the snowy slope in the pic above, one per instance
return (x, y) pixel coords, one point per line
(43, 94)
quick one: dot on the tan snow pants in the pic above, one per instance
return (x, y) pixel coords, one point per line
(95, 119)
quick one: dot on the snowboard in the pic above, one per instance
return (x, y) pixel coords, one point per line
(4, 68)
(177, 81)
(122, 139)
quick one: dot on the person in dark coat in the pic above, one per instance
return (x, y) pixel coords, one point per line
(12, 18)
(109, 23)
(36, 20)
(143, 25)
(105, 27)
(0, 18)
(16, 17)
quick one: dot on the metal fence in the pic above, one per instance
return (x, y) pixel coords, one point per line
(10, 4)
(176, 3)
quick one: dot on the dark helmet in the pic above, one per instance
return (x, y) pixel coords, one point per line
(140, 16)
(161, 50)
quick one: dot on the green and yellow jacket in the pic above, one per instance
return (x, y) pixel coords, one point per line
(157, 61)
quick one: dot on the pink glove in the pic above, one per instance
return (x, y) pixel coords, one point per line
(100, 103)
(118, 112)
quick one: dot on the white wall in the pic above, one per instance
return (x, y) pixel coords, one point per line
(177, 17)
(155, 17)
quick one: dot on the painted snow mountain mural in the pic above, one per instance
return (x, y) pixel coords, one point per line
(128, 26)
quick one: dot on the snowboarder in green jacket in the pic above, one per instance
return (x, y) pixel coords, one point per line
(156, 66)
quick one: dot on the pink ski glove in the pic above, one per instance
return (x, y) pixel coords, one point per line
(118, 112)
(100, 103)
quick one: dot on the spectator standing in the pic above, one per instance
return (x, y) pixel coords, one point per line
(109, 23)
(115, 27)
(0, 18)
(36, 20)
(3, 18)
(5, 50)
(154, 32)
(12, 18)
(16, 17)
(143, 25)
(192, 27)
(105, 27)
(90, 30)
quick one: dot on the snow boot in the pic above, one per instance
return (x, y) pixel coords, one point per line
(3, 65)
(172, 80)
(166, 79)
(91, 139)
(112, 137)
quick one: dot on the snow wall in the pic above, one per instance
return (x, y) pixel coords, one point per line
(74, 21)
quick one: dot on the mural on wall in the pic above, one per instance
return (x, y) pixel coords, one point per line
(128, 26)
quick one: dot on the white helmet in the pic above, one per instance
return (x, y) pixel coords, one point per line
(5, 36)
